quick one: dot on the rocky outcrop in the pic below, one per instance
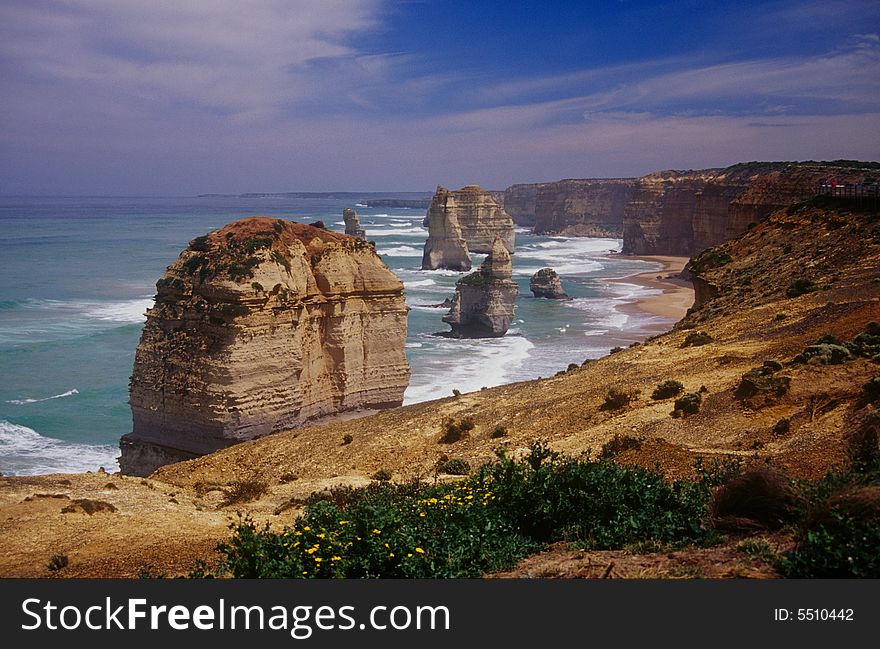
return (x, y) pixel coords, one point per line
(445, 247)
(519, 202)
(353, 224)
(258, 327)
(546, 283)
(480, 217)
(484, 301)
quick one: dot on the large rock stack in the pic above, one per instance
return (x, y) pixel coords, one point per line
(479, 217)
(484, 301)
(258, 327)
(445, 247)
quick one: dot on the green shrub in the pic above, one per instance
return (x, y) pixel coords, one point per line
(499, 431)
(453, 432)
(382, 475)
(57, 562)
(763, 380)
(484, 522)
(615, 350)
(244, 491)
(667, 390)
(839, 539)
(697, 339)
(347, 439)
(618, 398)
(618, 444)
(455, 466)
(825, 353)
(758, 549)
(688, 404)
(801, 286)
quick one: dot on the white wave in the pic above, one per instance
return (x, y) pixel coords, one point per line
(402, 251)
(122, 311)
(360, 205)
(522, 230)
(338, 222)
(567, 266)
(602, 311)
(421, 282)
(22, 402)
(23, 451)
(473, 363)
(413, 345)
(439, 271)
(373, 232)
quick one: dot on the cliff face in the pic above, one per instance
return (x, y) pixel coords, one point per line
(674, 212)
(683, 213)
(484, 301)
(259, 327)
(353, 224)
(590, 208)
(445, 246)
(480, 218)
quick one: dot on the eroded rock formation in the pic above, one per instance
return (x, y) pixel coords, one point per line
(583, 208)
(445, 247)
(258, 327)
(546, 283)
(480, 217)
(484, 301)
(353, 224)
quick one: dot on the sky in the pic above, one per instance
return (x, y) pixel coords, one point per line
(181, 97)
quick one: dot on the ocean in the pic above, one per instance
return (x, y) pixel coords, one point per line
(78, 274)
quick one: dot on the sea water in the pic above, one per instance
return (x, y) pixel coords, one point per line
(79, 273)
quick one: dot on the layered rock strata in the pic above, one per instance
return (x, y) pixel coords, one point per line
(353, 224)
(675, 212)
(583, 208)
(546, 283)
(258, 327)
(480, 217)
(445, 247)
(483, 306)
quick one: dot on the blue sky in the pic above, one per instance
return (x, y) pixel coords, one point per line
(178, 97)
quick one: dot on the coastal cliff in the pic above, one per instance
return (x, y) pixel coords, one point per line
(479, 216)
(584, 208)
(675, 212)
(258, 327)
(483, 306)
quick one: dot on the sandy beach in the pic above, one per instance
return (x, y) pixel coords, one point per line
(676, 295)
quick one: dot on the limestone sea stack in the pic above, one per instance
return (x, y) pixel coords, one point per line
(445, 247)
(259, 327)
(484, 301)
(479, 214)
(546, 283)
(353, 224)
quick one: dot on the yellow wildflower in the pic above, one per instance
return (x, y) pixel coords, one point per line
(420, 551)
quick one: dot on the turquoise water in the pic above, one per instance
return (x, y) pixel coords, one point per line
(78, 274)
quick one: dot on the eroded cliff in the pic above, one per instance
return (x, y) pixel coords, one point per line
(480, 217)
(258, 327)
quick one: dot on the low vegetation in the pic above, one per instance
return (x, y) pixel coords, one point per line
(619, 398)
(454, 432)
(667, 390)
(687, 404)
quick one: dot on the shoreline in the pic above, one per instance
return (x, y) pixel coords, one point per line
(676, 295)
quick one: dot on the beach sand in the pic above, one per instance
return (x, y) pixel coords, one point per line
(676, 296)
